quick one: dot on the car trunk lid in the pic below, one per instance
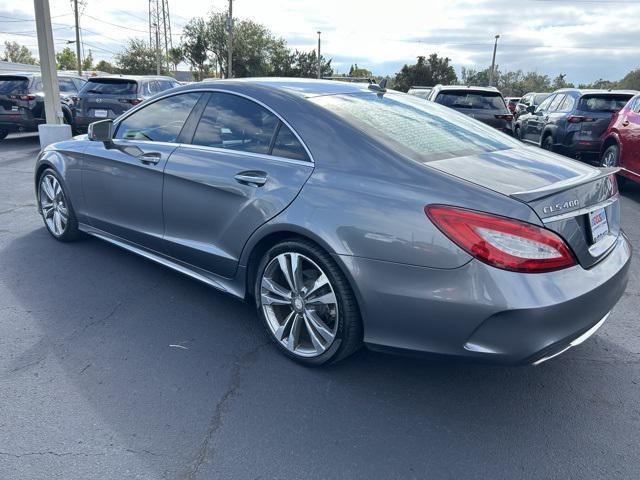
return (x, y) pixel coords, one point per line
(594, 113)
(14, 93)
(563, 193)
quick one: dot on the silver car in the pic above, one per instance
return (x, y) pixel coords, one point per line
(351, 215)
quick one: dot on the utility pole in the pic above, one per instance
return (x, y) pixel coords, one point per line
(52, 131)
(230, 52)
(493, 61)
(158, 60)
(75, 12)
(319, 62)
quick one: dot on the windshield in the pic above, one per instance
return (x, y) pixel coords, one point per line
(110, 87)
(603, 103)
(13, 85)
(421, 130)
(539, 98)
(471, 100)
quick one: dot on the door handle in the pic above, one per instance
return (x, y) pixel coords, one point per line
(150, 157)
(251, 178)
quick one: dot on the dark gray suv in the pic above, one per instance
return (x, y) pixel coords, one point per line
(571, 121)
(109, 96)
(22, 101)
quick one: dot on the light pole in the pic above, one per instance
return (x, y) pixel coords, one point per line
(319, 62)
(77, 18)
(493, 61)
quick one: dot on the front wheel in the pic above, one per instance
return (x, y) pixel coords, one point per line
(518, 132)
(306, 303)
(610, 156)
(547, 143)
(56, 209)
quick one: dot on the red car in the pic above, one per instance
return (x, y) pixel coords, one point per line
(621, 141)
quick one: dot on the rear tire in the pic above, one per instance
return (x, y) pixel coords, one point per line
(610, 157)
(312, 317)
(56, 209)
(547, 143)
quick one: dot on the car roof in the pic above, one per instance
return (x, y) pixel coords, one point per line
(132, 77)
(419, 87)
(302, 87)
(468, 87)
(597, 91)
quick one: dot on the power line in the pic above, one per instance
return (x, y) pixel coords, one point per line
(115, 24)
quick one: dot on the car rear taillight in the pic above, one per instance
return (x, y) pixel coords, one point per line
(578, 119)
(502, 242)
(508, 118)
(22, 97)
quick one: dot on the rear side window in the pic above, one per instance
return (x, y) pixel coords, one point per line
(79, 83)
(235, 123)
(568, 104)
(165, 85)
(287, 145)
(13, 85)
(423, 131)
(160, 121)
(636, 106)
(602, 103)
(471, 100)
(110, 87)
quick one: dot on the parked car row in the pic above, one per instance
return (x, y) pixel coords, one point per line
(579, 123)
(83, 101)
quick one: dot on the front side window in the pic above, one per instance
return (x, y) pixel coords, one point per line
(165, 85)
(235, 123)
(160, 121)
(556, 102)
(636, 107)
(539, 98)
(545, 105)
(423, 131)
(66, 85)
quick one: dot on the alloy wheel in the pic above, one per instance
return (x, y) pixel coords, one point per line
(299, 304)
(609, 158)
(53, 205)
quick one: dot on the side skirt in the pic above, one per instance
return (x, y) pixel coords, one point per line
(235, 286)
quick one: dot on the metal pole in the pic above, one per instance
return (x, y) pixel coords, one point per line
(493, 61)
(230, 52)
(157, 49)
(319, 62)
(75, 12)
(46, 49)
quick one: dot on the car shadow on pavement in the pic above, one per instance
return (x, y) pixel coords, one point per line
(172, 366)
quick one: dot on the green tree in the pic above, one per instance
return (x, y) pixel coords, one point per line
(358, 72)
(104, 66)
(196, 46)
(426, 72)
(305, 64)
(14, 52)
(87, 62)
(631, 80)
(66, 59)
(175, 56)
(561, 82)
(136, 58)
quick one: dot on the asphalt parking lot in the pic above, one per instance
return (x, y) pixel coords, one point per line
(113, 367)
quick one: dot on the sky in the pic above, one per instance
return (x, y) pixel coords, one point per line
(586, 39)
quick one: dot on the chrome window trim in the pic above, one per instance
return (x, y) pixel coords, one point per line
(263, 156)
(582, 211)
(220, 90)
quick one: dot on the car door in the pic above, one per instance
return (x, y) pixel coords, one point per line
(629, 132)
(535, 122)
(553, 117)
(243, 166)
(122, 179)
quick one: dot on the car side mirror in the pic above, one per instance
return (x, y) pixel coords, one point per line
(101, 131)
(531, 108)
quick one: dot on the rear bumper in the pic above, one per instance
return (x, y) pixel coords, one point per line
(18, 123)
(482, 313)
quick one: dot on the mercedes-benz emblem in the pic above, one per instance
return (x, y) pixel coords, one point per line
(98, 100)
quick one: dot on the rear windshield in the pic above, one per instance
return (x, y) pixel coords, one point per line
(471, 100)
(603, 103)
(110, 87)
(423, 131)
(13, 85)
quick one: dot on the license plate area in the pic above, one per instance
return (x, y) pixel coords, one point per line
(100, 113)
(598, 224)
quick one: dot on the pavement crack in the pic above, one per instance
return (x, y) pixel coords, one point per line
(50, 452)
(206, 451)
(17, 207)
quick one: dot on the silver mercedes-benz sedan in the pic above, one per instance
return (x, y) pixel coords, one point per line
(351, 215)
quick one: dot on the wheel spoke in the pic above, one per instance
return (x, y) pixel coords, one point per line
(326, 299)
(282, 329)
(318, 325)
(46, 188)
(320, 282)
(284, 268)
(294, 333)
(296, 270)
(315, 340)
(62, 208)
(57, 222)
(47, 210)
